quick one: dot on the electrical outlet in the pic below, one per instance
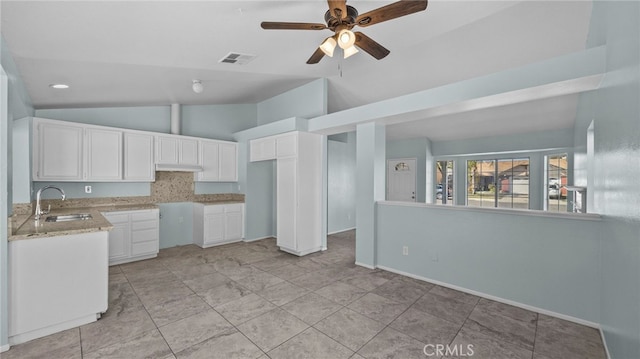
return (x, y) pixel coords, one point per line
(87, 189)
(405, 251)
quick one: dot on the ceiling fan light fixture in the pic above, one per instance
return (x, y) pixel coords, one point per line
(328, 46)
(350, 51)
(346, 39)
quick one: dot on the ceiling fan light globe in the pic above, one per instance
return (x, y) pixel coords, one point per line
(346, 39)
(328, 46)
(350, 51)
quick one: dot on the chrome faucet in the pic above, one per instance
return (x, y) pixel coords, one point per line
(39, 211)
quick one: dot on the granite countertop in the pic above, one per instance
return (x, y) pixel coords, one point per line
(32, 229)
(206, 203)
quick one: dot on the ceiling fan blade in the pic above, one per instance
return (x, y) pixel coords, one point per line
(267, 25)
(391, 11)
(316, 57)
(338, 8)
(371, 47)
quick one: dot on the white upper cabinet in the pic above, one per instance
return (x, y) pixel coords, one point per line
(274, 147)
(57, 151)
(138, 157)
(228, 162)
(262, 149)
(176, 150)
(76, 152)
(188, 152)
(287, 145)
(219, 160)
(104, 155)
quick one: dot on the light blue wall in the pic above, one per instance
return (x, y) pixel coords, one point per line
(412, 148)
(519, 142)
(307, 101)
(176, 224)
(217, 121)
(149, 118)
(497, 254)
(341, 183)
(613, 176)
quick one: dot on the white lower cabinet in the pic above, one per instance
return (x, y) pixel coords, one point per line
(217, 224)
(135, 235)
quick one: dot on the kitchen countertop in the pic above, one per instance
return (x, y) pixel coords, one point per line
(207, 203)
(32, 229)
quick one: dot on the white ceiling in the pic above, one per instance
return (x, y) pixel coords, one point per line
(135, 53)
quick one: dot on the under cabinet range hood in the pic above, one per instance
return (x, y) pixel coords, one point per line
(178, 167)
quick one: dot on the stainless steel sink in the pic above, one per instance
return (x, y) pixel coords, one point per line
(69, 217)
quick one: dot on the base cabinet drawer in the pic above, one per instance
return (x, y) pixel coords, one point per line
(135, 235)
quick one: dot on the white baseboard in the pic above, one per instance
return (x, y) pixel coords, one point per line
(4, 348)
(497, 299)
(366, 265)
(342, 230)
(604, 343)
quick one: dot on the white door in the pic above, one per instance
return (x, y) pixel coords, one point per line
(401, 180)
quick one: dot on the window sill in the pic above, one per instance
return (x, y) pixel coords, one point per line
(515, 212)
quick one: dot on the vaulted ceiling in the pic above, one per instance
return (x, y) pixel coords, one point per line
(134, 53)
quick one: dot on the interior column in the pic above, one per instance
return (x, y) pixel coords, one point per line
(370, 187)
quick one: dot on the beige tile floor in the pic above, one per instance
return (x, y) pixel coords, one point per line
(249, 300)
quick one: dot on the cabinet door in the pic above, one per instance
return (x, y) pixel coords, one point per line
(233, 225)
(119, 236)
(262, 149)
(287, 145)
(104, 155)
(287, 202)
(58, 152)
(188, 152)
(167, 150)
(209, 151)
(214, 228)
(228, 162)
(138, 157)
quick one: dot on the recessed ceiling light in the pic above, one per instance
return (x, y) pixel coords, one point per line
(59, 86)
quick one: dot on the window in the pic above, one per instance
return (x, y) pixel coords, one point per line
(444, 182)
(502, 183)
(555, 183)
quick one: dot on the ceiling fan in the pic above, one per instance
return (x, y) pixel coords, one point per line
(341, 18)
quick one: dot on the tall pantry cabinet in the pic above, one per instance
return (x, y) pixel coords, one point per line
(298, 158)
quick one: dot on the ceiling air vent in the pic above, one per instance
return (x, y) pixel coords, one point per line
(236, 58)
